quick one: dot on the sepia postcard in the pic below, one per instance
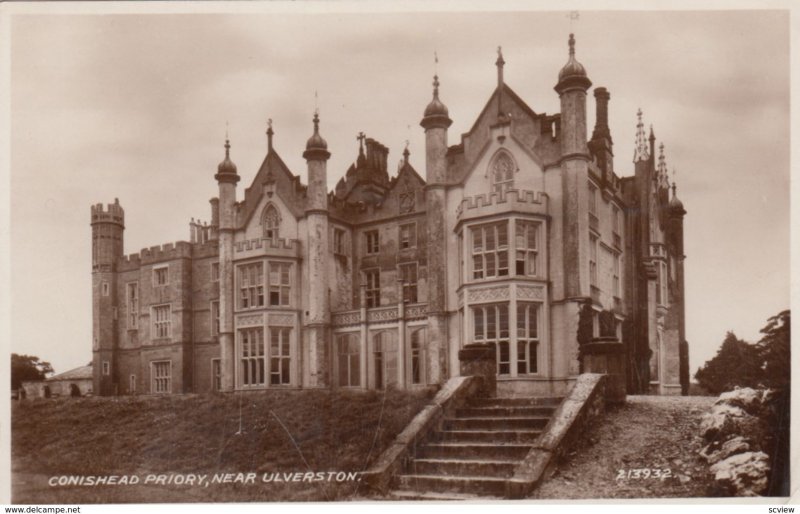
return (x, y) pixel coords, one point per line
(370, 252)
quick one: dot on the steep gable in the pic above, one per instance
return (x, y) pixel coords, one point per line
(287, 187)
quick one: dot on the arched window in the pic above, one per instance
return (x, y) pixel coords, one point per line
(502, 173)
(271, 222)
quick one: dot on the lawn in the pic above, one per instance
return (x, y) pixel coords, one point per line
(293, 433)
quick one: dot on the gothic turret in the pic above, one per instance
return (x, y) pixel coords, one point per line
(226, 178)
(435, 122)
(571, 88)
(317, 319)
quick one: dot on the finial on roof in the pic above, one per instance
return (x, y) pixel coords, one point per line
(675, 204)
(316, 142)
(573, 70)
(227, 166)
(499, 63)
(406, 153)
(640, 152)
(270, 132)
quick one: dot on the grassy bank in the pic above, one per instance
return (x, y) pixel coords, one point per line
(264, 432)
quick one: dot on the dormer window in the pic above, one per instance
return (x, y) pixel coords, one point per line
(271, 222)
(502, 173)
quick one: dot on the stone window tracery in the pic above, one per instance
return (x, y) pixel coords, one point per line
(271, 222)
(502, 173)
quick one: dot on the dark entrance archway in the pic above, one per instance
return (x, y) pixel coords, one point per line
(46, 391)
(74, 391)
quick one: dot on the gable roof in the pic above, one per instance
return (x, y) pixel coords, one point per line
(287, 186)
(81, 373)
(507, 93)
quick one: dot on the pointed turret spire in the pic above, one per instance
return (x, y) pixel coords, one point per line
(641, 152)
(663, 174)
(406, 153)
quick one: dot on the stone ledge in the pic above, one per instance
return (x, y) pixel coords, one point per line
(582, 406)
(452, 395)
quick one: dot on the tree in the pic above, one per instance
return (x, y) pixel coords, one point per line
(737, 363)
(27, 367)
(774, 348)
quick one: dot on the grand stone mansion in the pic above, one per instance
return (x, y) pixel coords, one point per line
(521, 234)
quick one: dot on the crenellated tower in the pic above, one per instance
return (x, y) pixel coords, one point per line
(108, 226)
(436, 121)
(226, 177)
(317, 325)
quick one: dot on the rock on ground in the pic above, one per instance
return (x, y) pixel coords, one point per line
(743, 474)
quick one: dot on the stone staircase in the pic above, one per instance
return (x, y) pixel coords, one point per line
(476, 450)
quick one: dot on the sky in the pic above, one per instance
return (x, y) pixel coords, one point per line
(135, 107)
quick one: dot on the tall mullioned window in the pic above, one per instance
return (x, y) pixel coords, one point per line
(216, 374)
(617, 291)
(162, 321)
(502, 173)
(251, 285)
(526, 241)
(349, 359)
(408, 236)
(490, 250)
(418, 356)
(491, 326)
(214, 318)
(161, 276)
(373, 290)
(253, 360)
(161, 373)
(372, 242)
(338, 241)
(132, 296)
(527, 337)
(385, 355)
(408, 274)
(280, 283)
(279, 356)
(593, 260)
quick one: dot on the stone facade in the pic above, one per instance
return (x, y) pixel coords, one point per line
(521, 236)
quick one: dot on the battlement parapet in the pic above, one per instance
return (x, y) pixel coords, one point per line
(534, 202)
(165, 252)
(267, 246)
(110, 213)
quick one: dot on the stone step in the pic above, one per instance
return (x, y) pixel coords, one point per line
(487, 436)
(516, 402)
(462, 467)
(450, 450)
(505, 411)
(507, 423)
(461, 484)
(434, 496)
